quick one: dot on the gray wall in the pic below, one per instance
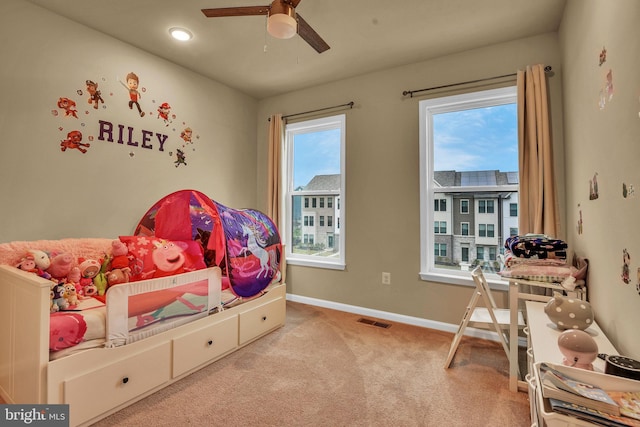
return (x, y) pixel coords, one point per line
(50, 194)
(607, 142)
(382, 167)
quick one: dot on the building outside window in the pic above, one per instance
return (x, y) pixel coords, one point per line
(313, 172)
(469, 161)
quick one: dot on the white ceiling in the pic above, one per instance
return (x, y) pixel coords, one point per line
(364, 35)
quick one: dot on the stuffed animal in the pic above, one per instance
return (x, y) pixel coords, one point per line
(101, 279)
(89, 268)
(60, 265)
(36, 262)
(119, 252)
(70, 294)
(74, 277)
(58, 300)
(118, 275)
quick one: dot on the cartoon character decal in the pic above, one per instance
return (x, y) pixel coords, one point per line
(69, 107)
(95, 97)
(132, 86)
(73, 142)
(163, 113)
(180, 158)
(186, 135)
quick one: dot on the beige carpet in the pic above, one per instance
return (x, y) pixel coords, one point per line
(324, 368)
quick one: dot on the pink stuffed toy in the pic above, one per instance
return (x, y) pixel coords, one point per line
(119, 254)
(74, 277)
(60, 265)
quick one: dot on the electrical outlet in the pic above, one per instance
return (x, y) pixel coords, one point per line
(386, 278)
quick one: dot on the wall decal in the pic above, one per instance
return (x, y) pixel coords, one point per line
(603, 56)
(73, 142)
(626, 260)
(132, 83)
(579, 228)
(627, 190)
(68, 106)
(593, 187)
(103, 119)
(606, 93)
(638, 280)
(95, 97)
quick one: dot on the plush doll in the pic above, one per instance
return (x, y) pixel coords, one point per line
(118, 275)
(36, 262)
(119, 252)
(89, 269)
(101, 279)
(70, 294)
(74, 278)
(60, 266)
(59, 301)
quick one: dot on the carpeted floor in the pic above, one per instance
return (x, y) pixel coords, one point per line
(325, 368)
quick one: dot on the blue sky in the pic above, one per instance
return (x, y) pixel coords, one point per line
(478, 139)
(316, 153)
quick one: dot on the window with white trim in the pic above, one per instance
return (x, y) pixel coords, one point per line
(469, 158)
(314, 171)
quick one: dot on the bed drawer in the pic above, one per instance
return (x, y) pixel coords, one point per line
(261, 319)
(202, 345)
(96, 392)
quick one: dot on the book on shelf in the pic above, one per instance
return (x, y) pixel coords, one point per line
(628, 401)
(592, 415)
(557, 385)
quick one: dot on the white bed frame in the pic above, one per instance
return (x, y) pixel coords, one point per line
(98, 382)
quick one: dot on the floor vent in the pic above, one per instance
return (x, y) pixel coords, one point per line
(374, 323)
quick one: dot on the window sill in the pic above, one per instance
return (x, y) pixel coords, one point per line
(495, 283)
(316, 264)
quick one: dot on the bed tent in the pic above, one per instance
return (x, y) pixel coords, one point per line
(244, 243)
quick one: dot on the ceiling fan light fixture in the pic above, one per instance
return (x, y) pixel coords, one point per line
(180, 34)
(282, 23)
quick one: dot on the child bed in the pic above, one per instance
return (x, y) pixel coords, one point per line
(99, 381)
(75, 332)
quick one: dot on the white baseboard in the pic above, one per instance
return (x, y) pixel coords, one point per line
(400, 318)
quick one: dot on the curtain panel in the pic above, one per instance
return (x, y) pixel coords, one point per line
(274, 172)
(538, 201)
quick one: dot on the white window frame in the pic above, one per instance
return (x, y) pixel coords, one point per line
(427, 109)
(291, 130)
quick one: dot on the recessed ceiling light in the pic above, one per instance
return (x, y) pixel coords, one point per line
(180, 34)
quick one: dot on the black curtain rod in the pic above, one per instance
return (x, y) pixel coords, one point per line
(547, 69)
(348, 104)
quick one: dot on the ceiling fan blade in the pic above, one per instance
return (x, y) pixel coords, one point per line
(309, 35)
(236, 11)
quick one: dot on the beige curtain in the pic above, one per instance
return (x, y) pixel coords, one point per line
(274, 173)
(538, 204)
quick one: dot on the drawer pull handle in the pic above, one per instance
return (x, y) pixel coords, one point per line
(264, 318)
(210, 342)
(125, 380)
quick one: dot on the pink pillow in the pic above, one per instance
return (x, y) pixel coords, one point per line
(154, 257)
(66, 330)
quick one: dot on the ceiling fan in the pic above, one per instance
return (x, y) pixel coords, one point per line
(283, 22)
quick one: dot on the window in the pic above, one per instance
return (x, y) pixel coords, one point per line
(468, 159)
(464, 228)
(440, 227)
(464, 206)
(440, 250)
(513, 209)
(513, 231)
(440, 205)
(485, 206)
(313, 172)
(480, 253)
